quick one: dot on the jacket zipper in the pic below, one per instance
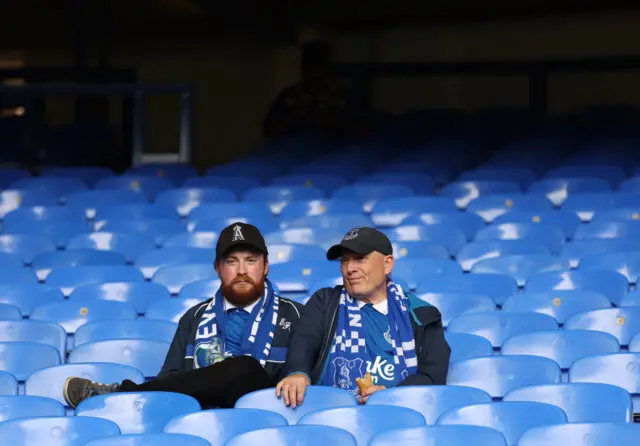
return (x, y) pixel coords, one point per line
(327, 344)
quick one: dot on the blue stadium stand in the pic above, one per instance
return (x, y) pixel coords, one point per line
(14, 219)
(625, 263)
(203, 239)
(473, 252)
(490, 207)
(10, 312)
(150, 439)
(24, 406)
(217, 224)
(159, 229)
(467, 346)
(21, 359)
(183, 201)
(147, 186)
(520, 267)
(44, 263)
(8, 384)
(449, 435)
(463, 192)
(296, 278)
(139, 295)
(90, 175)
(576, 250)
(306, 236)
(410, 250)
(521, 175)
(550, 236)
(174, 309)
(68, 278)
(623, 323)
(450, 237)
(277, 197)
(10, 200)
(26, 246)
(412, 270)
(91, 200)
(369, 194)
(132, 212)
(587, 205)
(17, 276)
(149, 262)
(175, 277)
(110, 329)
(558, 189)
(560, 304)
(324, 182)
(452, 304)
(320, 208)
(284, 253)
(390, 212)
(39, 332)
(131, 245)
(60, 232)
(56, 430)
(60, 187)
(236, 184)
(597, 433)
(499, 287)
(565, 220)
(287, 435)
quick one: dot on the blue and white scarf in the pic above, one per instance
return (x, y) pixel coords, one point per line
(349, 354)
(258, 339)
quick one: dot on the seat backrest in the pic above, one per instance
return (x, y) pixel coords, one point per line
(597, 433)
(26, 406)
(288, 435)
(446, 435)
(56, 431)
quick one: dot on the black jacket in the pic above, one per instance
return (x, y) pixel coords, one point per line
(311, 341)
(180, 355)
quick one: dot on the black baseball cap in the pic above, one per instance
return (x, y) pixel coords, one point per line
(362, 241)
(240, 234)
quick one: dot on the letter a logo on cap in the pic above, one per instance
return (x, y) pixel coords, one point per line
(351, 234)
(237, 233)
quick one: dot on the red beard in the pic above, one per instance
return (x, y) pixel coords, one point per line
(245, 295)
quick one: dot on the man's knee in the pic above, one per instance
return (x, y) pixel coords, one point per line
(244, 366)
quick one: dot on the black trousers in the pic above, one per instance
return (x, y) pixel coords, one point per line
(218, 385)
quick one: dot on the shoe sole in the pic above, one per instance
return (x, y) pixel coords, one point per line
(65, 394)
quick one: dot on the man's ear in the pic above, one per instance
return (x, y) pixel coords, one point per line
(266, 266)
(388, 265)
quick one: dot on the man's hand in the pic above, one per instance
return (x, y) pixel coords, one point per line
(292, 389)
(370, 391)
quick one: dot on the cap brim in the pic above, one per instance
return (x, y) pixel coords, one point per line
(335, 252)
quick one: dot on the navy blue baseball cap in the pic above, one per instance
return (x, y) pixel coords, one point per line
(362, 241)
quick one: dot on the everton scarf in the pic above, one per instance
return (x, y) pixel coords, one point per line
(257, 339)
(348, 357)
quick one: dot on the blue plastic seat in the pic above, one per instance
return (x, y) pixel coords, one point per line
(144, 354)
(9, 175)
(298, 277)
(236, 184)
(315, 398)
(17, 275)
(49, 382)
(174, 309)
(558, 189)
(610, 283)
(27, 247)
(56, 431)
(623, 434)
(159, 230)
(44, 263)
(520, 267)
(282, 253)
(150, 439)
(68, 278)
(174, 277)
(60, 187)
(217, 224)
(413, 269)
(137, 294)
(177, 173)
(260, 171)
(138, 412)
(450, 237)
(468, 222)
(390, 212)
(498, 326)
(550, 236)
(40, 332)
(512, 419)
(130, 212)
(10, 200)
(104, 330)
(306, 236)
(277, 197)
(623, 323)
(419, 183)
(92, 199)
(253, 213)
(582, 402)
(411, 250)
(625, 263)
(149, 262)
(474, 252)
(288, 435)
(496, 286)
(21, 359)
(10, 312)
(331, 222)
(585, 206)
(452, 305)
(58, 231)
(323, 182)
(631, 299)
(520, 175)
(565, 220)
(369, 194)
(219, 425)
(8, 384)
(204, 239)
(430, 401)
(21, 215)
(183, 201)
(560, 304)
(631, 213)
(445, 435)
(611, 174)
(608, 230)
(23, 406)
(576, 250)
(131, 245)
(71, 314)
(89, 174)
(321, 207)
(626, 200)
(467, 346)
(489, 207)
(463, 192)
(147, 186)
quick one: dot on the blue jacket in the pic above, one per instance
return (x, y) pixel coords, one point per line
(311, 340)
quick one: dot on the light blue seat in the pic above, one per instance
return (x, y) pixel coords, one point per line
(10, 312)
(582, 402)
(253, 213)
(58, 231)
(468, 222)
(94, 199)
(445, 435)
(450, 237)
(565, 220)
(617, 369)
(177, 173)
(467, 346)
(202, 289)
(132, 212)
(496, 286)
(21, 215)
(325, 182)
(334, 222)
(560, 304)
(217, 426)
(56, 431)
(150, 439)
(390, 212)
(607, 230)
(489, 207)
(10, 200)
(430, 401)
(611, 174)
(68, 278)
(298, 277)
(104, 330)
(159, 229)
(71, 314)
(364, 422)
(610, 283)
(217, 224)
(550, 236)
(520, 267)
(498, 326)
(21, 359)
(131, 245)
(138, 412)
(23, 406)
(89, 174)
(183, 201)
(419, 183)
(463, 192)
(619, 214)
(144, 354)
(306, 236)
(631, 299)
(49, 382)
(44, 263)
(288, 435)
(320, 208)
(149, 262)
(412, 270)
(452, 305)
(521, 175)
(315, 398)
(17, 275)
(558, 189)
(60, 187)
(237, 184)
(40, 332)
(625, 263)
(202, 239)
(474, 252)
(512, 419)
(623, 323)
(576, 250)
(137, 294)
(625, 200)
(585, 206)
(277, 197)
(174, 277)
(368, 194)
(26, 246)
(411, 250)
(621, 434)
(282, 253)
(174, 309)
(8, 384)
(149, 187)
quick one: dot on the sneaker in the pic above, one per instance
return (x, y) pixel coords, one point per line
(77, 390)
